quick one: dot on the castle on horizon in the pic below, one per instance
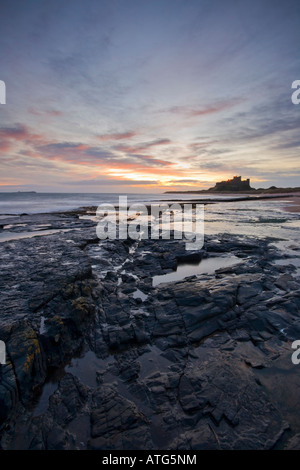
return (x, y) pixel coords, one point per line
(234, 184)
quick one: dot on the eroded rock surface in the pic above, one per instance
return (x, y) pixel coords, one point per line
(99, 358)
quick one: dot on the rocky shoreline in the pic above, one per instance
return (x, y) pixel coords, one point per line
(100, 358)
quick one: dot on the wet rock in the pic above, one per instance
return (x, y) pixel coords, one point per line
(293, 443)
(116, 422)
(285, 282)
(247, 294)
(187, 368)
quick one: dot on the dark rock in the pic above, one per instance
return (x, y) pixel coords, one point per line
(188, 368)
(293, 443)
(247, 294)
(284, 281)
(116, 422)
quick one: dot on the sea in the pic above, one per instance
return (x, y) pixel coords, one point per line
(262, 218)
(13, 203)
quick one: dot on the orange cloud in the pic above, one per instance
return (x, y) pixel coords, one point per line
(127, 164)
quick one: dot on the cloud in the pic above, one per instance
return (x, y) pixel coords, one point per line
(149, 160)
(47, 112)
(19, 132)
(288, 145)
(78, 153)
(156, 142)
(117, 136)
(142, 146)
(111, 182)
(202, 111)
(183, 181)
(265, 120)
(5, 146)
(107, 160)
(83, 154)
(213, 165)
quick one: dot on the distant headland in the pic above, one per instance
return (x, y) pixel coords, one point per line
(237, 185)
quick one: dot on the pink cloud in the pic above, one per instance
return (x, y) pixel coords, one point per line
(20, 133)
(5, 146)
(104, 160)
(202, 111)
(117, 136)
(82, 154)
(48, 112)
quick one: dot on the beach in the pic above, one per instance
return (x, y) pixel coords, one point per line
(141, 344)
(295, 204)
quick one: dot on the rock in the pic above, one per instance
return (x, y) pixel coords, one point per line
(116, 423)
(293, 443)
(247, 294)
(283, 282)
(28, 359)
(189, 368)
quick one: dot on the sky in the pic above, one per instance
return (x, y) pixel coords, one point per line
(145, 96)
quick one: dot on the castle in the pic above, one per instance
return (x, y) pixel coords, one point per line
(235, 184)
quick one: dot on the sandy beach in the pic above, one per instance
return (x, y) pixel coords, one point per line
(295, 205)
